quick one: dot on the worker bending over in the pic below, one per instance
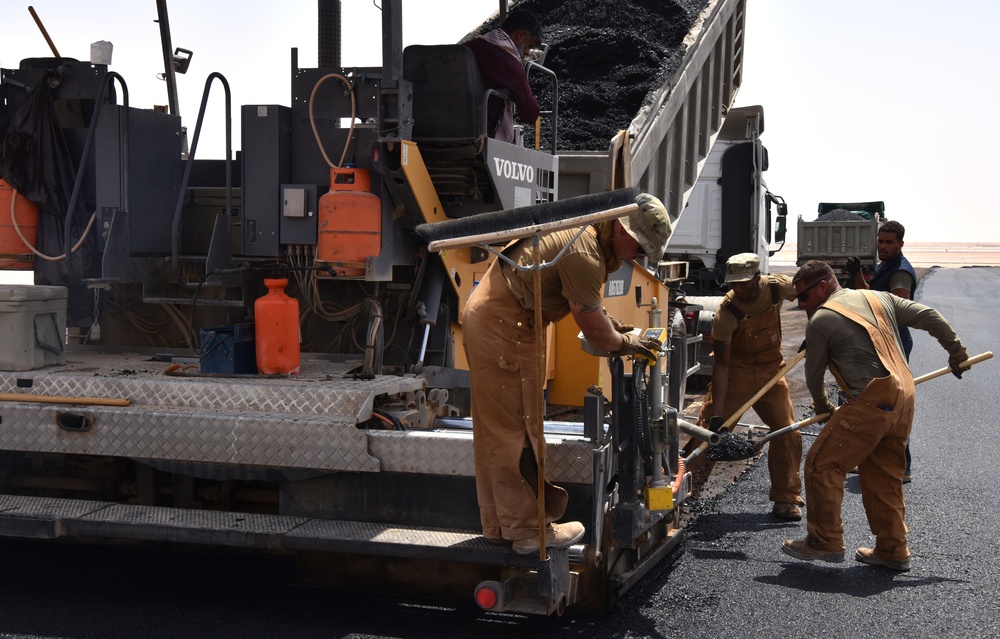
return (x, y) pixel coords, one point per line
(856, 334)
(499, 339)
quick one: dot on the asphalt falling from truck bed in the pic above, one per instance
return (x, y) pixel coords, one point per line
(610, 57)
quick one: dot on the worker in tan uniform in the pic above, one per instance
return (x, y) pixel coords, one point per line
(856, 334)
(499, 339)
(746, 338)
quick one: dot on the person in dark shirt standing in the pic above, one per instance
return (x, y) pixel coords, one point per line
(895, 275)
(500, 54)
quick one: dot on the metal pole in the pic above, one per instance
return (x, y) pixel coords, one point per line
(539, 393)
(168, 57)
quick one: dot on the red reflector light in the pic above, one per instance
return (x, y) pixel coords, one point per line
(486, 598)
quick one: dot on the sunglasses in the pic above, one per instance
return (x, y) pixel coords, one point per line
(804, 295)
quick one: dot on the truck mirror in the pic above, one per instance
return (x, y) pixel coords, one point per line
(779, 227)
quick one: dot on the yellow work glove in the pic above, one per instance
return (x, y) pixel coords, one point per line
(633, 344)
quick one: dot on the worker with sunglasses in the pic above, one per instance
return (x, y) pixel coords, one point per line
(856, 334)
(746, 337)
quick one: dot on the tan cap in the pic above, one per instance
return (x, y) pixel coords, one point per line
(742, 267)
(650, 226)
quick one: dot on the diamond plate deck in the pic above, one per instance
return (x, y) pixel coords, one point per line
(567, 460)
(308, 421)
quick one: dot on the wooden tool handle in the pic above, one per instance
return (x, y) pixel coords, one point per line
(45, 33)
(774, 380)
(982, 357)
(62, 399)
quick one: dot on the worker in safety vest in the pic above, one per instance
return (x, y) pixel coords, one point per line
(856, 334)
(895, 275)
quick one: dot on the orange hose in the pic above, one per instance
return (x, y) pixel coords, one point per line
(676, 486)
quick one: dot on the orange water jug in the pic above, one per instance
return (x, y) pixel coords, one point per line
(276, 330)
(350, 222)
(14, 254)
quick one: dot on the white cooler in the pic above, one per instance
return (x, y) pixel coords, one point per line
(32, 326)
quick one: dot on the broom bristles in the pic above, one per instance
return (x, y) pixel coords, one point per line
(526, 216)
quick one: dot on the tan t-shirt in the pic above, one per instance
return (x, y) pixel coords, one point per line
(577, 277)
(725, 322)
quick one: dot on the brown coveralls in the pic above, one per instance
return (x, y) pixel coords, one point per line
(499, 339)
(755, 358)
(870, 432)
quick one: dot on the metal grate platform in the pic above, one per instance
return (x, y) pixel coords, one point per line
(51, 518)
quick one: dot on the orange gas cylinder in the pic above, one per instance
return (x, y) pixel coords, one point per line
(350, 222)
(14, 254)
(276, 330)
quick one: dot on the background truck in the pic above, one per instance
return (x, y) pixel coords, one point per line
(136, 411)
(840, 231)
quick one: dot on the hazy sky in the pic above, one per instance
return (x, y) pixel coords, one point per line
(864, 99)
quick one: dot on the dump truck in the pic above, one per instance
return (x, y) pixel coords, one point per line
(257, 352)
(730, 211)
(842, 230)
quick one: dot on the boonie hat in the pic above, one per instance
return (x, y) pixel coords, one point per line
(650, 226)
(742, 267)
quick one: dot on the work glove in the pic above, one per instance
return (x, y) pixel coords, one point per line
(617, 324)
(853, 265)
(638, 345)
(955, 360)
(715, 423)
(825, 407)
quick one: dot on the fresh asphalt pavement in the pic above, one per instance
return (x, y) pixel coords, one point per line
(729, 578)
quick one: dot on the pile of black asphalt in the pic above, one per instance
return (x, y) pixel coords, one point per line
(610, 58)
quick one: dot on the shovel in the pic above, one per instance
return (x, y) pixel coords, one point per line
(729, 447)
(735, 448)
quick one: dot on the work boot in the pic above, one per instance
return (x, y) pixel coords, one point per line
(868, 556)
(786, 511)
(557, 536)
(800, 549)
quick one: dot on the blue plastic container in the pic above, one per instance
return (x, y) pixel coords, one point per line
(229, 350)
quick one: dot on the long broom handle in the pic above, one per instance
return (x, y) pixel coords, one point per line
(506, 235)
(541, 374)
(774, 380)
(982, 357)
(45, 33)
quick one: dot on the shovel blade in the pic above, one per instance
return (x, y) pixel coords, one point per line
(730, 448)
